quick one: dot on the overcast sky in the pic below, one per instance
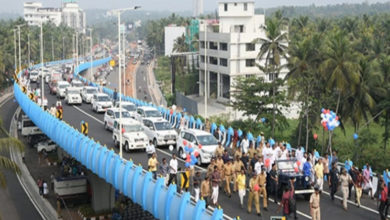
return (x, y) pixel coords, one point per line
(16, 6)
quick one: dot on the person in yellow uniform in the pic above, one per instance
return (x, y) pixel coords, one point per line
(228, 172)
(315, 204)
(152, 164)
(262, 179)
(319, 172)
(238, 153)
(237, 167)
(254, 194)
(205, 190)
(241, 183)
(210, 168)
(220, 165)
(219, 151)
(251, 151)
(259, 149)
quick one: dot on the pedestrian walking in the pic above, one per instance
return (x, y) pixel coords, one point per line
(40, 186)
(307, 172)
(241, 184)
(359, 186)
(237, 167)
(219, 150)
(45, 189)
(172, 170)
(150, 149)
(261, 180)
(215, 179)
(164, 170)
(52, 178)
(220, 166)
(115, 96)
(345, 179)
(228, 172)
(196, 184)
(319, 173)
(185, 179)
(254, 194)
(284, 204)
(315, 204)
(152, 165)
(383, 202)
(325, 162)
(367, 180)
(333, 180)
(353, 173)
(274, 182)
(205, 190)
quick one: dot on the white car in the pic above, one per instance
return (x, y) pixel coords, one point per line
(72, 96)
(112, 114)
(147, 112)
(46, 146)
(160, 131)
(197, 137)
(133, 136)
(101, 102)
(34, 75)
(61, 88)
(29, 128)
(130, 107)
(87, 93)
(77, 84)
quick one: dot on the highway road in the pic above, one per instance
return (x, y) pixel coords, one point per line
(15, 204)
(330, 210)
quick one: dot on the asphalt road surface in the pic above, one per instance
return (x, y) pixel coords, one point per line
(329, 209)
(15, 204)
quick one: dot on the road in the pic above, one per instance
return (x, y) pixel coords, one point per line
(330, 210)
(15, 204)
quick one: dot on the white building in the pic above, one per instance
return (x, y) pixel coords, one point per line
(197, 7)
(70, 14)
(171, 33)
(229, 49)
(34, 14)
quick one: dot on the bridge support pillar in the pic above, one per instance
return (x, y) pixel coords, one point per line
(103, 194)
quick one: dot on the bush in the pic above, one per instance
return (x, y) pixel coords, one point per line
(86, 210)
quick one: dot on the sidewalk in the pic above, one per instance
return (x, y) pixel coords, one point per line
(154, 90)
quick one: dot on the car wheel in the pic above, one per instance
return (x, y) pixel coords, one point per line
(199, 163)
(105, 126)
(155, 142)
(180, 153)
(127, 149)
(43, 151)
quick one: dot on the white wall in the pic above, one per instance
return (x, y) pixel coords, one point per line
(170, 35)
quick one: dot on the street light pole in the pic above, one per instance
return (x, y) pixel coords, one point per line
(16, 62)
(52, 49)
(90, 53)
(20, 52)
(29, 49)
(77, 51)
(205, 69)
(63, 47)
(42, 77)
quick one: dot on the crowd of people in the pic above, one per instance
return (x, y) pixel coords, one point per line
(249, 170)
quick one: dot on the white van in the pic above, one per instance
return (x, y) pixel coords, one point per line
(29, 128)
(160, 131)
(72, 96)
(133, 136)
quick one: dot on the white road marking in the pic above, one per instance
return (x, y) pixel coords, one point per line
(91, 116)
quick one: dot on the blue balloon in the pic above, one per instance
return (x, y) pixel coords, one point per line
(263, 120)
(184, 109)
(355, 136)
(187, 164)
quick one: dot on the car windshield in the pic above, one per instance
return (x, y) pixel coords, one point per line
(133, 128)
(77, 84)
(34, 73)
(125, 114)
(103, 98)
(63, 86)
(162, 126)
(130, 108)
(286, 165)
(73, 91)
(91, 91)
(152, 114)
(207, 140)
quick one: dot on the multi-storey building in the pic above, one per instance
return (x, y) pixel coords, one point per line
(197, 8)
(73, 16)
(227, 49)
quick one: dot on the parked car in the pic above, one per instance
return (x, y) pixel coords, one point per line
(87, 93)
(72, 96)
(46, 146)
(112, 114)
(133, 136)
(197, 138)
(147, 112)
(130, 107)
(160, 131)
(29, 128)
(101, 102)
(61, 88)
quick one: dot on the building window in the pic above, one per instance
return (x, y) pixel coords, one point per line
(213, 60)
(213, 45)
(250, 62)
(250, 47)
(201, 58)
(225, 6)
(245, 6)
(225, 86)
(272, 76)
(202, 44)
(235, 3)
(223, 62)
(239, 28)
(223, 46)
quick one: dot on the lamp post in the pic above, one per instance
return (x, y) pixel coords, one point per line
(118, 12)
(29, 49)
(205, 68)
(90, 53)
(42, 77)
(20, 52)
(16, 62)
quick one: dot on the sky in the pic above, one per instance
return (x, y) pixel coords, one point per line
(16, 6)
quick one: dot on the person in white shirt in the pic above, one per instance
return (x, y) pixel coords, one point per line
(299, 153)
(267, 154)
(172, 170)
(245, 145)
(150, 149)
(258, 166)
(284, 153)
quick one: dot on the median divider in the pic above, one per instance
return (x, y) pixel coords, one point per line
(163, 202)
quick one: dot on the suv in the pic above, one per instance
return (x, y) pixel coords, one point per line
(29, 128)
(46, 146)
(34, 75)
(197, 137)
(133, 136)
(147, 112)
(77, 84)
(160, 131)
(72, 96)
(87, 93)
(61, 87)
(112, 114)
(101, 102)
(286, 171)
(128, 106)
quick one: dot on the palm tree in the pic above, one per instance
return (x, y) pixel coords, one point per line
(272, 51)
(6, 143)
